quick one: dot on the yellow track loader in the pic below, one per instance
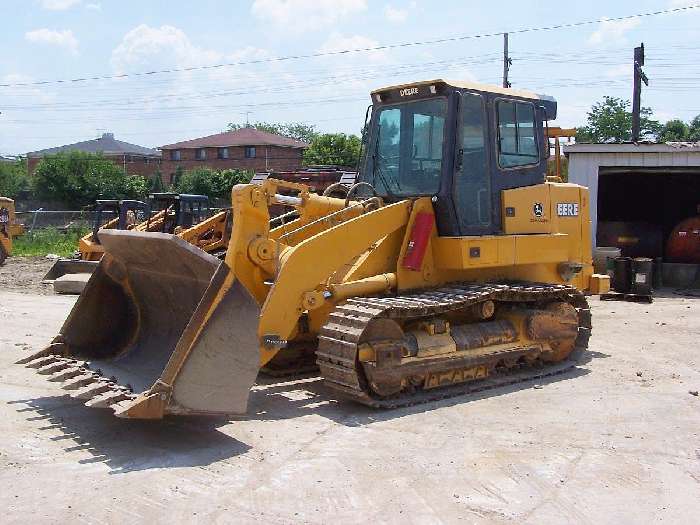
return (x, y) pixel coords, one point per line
(9, 228)
(450, 267)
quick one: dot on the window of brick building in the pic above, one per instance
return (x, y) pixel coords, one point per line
(200, 154)
(250, 152)
(175, 154)
(222, 153)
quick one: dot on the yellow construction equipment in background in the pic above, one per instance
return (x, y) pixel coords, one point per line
(9, 228)
(450, 267)
(211, 234)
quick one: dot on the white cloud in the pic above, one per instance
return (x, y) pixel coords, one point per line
(159, 46)
(151, 48)
(395, 15)
(94, 7)
(59, 5)
(337, 42)
(300, 15)
(64, 39)
(612, 31)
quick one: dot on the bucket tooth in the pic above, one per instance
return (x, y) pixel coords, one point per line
(43, 361)
(54, 367)
(121, 408)
(80, 381)
(94, 390)
(109, 398)
(52, 349)
(67, 373)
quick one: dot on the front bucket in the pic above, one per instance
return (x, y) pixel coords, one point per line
(140, 338)
(69, 266)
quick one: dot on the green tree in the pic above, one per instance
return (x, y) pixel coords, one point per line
(157, 185)
(674, 131)
(13, 178)
(694, 129)
(295, 130)
(214, 184)
(179, 172)
(611, 121)
(77, 178)
(336, 149)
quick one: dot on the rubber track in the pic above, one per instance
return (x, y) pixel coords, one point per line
(339, 337)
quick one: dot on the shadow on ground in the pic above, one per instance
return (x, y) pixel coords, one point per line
(130, 445)
(275, 400)
(675, 293)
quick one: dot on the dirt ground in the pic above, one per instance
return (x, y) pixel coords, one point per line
(614, 441)
(24, 274)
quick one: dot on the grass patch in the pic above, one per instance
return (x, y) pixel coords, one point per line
(48, 240)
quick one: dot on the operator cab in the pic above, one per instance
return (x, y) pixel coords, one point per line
(182, 210)
(459, 143)
(129, 213)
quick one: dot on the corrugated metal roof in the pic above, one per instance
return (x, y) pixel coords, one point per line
(106, 144)
(668, 147)
(240, 137)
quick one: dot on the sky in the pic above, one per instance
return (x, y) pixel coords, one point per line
(280, 61)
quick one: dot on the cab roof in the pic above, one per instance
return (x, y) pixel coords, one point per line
(548, 102)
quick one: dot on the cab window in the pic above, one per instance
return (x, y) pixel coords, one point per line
(517, 141)
(407, 155)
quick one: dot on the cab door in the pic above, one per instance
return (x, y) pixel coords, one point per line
(471, 186)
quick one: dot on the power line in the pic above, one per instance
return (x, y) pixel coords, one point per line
(568, 25)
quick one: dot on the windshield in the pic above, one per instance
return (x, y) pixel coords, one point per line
(407, 153)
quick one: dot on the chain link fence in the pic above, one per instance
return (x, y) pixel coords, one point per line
(61, 220)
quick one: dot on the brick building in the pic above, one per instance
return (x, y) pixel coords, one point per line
(133, 159)
(246, 149)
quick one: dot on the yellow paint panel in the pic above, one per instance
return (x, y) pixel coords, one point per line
(527, 210)
(533, 249)
(455, 253)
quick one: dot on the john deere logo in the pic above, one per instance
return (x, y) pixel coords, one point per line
(538, 209)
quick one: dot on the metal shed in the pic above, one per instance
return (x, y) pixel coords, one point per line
(639, 192)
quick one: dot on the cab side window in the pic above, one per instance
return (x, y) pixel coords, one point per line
(517, 141)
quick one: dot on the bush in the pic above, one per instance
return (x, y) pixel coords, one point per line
(13, 178)
(214, 184)
(78, 179)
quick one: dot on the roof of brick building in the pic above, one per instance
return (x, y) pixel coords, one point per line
(106, 144)
(240, 137)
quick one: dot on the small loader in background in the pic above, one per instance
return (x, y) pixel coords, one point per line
(187, 216)
(9, 228)
(108, 214)
(451, 266)
(184, 215)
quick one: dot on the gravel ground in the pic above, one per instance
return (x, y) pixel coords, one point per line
(614, 441)
(24, 275)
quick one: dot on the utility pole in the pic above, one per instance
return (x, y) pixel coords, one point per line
(507, 62)
(639, 77)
